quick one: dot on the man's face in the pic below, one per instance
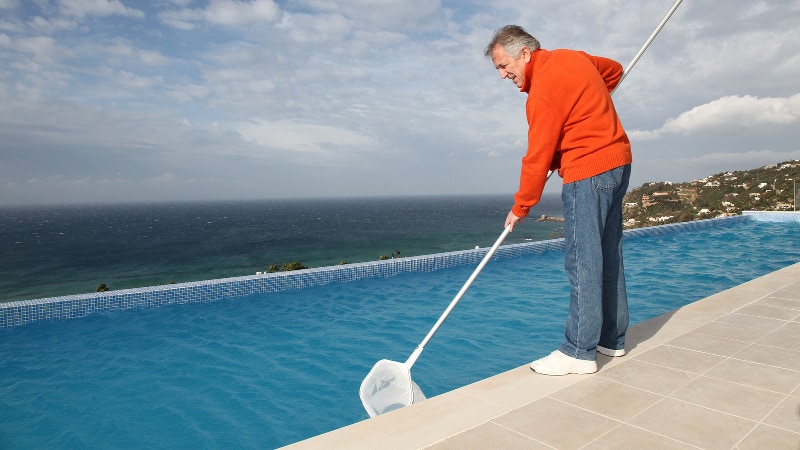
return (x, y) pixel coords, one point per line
(511, 68)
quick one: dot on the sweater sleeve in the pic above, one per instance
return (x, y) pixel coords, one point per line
(545, 123)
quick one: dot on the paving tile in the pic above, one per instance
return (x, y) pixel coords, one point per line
(781, 302)
(732, 398)
(729, 331)
(790, 328)
(650, 377)
(656, 331)
(780, 280)
(715, 306)
(766, 311)
(488, 435)
(607, 398)
(787, 336)
(628, 437)
(681, 359)
(771, 356)
(786, 415)
(554, 423)
(693, 424)
(515, 388)
(753, 321)
(757, 375)
(790, 291)
(767, 437)
(707, 344)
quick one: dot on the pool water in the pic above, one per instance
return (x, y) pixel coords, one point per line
(269, 370)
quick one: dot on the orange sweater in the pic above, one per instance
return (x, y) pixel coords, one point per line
(572, 124)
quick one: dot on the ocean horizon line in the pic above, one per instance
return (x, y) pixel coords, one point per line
(134, 202)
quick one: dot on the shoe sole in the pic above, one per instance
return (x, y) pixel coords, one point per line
(562, 374)
(574, 372)
(610, 352)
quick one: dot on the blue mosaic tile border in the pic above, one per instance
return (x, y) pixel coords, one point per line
(18, 313)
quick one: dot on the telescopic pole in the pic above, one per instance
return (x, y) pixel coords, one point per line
(649, 40)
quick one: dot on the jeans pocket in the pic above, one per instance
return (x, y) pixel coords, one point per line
(609, 179)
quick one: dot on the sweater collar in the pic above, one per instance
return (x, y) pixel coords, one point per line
(538, 57)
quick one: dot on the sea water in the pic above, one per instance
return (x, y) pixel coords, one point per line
(269, 370)
(61, 250)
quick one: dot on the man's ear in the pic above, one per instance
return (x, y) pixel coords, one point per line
(526, 54)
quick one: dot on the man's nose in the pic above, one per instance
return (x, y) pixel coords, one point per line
(503, 73)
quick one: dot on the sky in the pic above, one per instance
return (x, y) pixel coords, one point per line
(189, 100)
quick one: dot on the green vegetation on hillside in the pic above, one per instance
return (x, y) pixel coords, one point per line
(768, 188)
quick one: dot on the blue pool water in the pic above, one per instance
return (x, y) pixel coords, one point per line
(270, 370)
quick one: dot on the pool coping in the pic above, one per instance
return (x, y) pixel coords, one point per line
(690, 346)
(22, 312)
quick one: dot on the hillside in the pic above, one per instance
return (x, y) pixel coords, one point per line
(768, 188)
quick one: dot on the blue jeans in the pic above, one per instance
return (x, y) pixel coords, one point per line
(598, 310)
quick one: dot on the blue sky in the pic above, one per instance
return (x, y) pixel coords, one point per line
(123, 100)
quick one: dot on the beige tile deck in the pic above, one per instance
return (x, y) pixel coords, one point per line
(720, 373)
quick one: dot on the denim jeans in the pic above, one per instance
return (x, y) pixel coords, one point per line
(598, 310)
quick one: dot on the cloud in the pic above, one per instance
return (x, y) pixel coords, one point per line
(730, 115)
(408, 15)
(40, 48)
(99, 8)
(316, 141)
(229, 13)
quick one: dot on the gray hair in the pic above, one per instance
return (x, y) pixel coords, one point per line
(512, 38)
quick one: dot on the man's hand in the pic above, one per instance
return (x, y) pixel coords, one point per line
(512, 220)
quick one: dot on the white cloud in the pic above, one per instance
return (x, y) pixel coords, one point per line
(40, 47)
(123, 52)
(235, 13)
(730, 115)
(101, 8)
(137, 82)
(386, 14)
(231, 13)
(320, 140)
(52, 25)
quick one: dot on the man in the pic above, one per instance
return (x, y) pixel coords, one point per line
(574, 129)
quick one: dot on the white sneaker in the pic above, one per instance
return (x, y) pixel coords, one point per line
(558, 363)
(610, 352)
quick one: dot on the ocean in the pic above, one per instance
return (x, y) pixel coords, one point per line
(61, 250)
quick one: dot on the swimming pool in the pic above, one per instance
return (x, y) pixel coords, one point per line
(269, 370)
